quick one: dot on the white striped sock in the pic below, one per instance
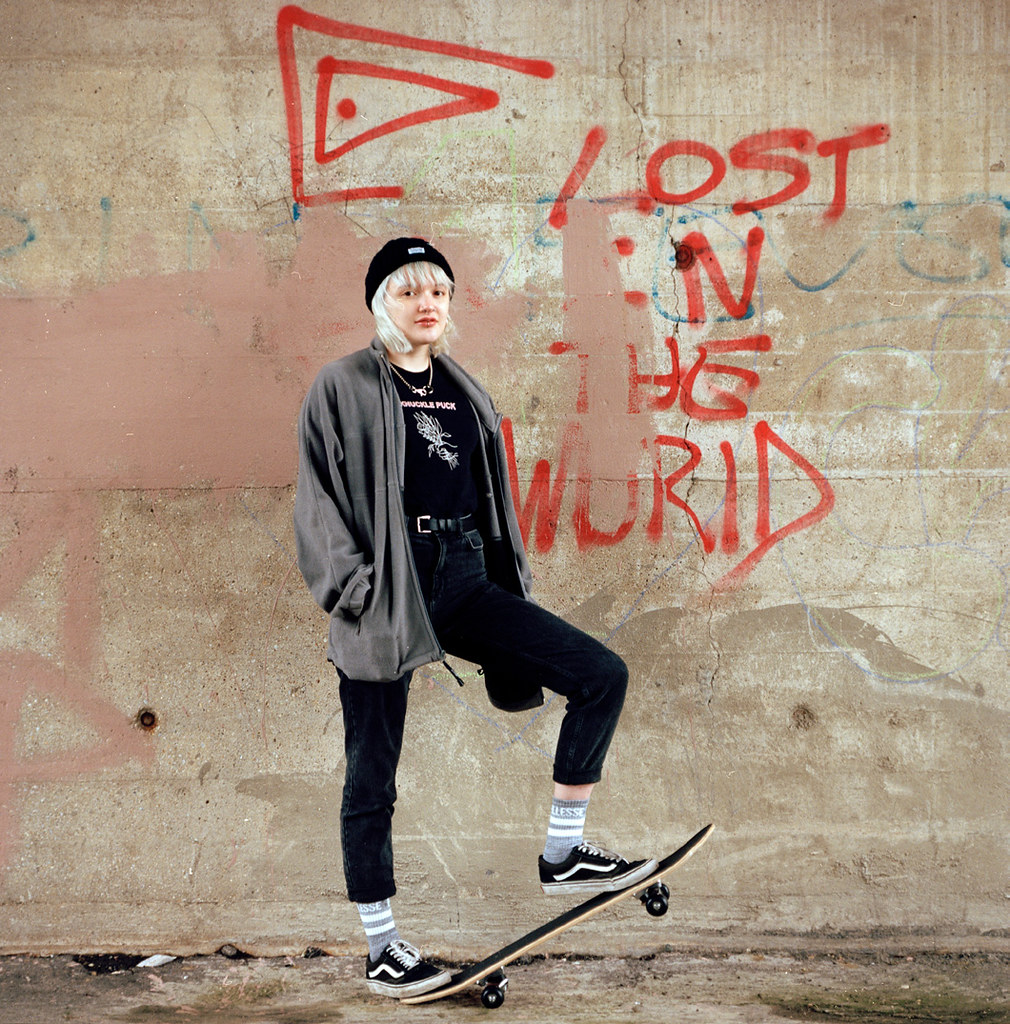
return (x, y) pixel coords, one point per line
(568, 819)
(380, 929)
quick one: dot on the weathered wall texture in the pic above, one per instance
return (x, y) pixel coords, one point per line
(737, 272)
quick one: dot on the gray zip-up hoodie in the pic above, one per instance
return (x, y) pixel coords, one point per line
(350, 532)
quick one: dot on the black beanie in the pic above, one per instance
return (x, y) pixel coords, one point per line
(398, 253)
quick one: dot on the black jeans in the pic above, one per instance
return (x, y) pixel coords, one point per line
(479, 621)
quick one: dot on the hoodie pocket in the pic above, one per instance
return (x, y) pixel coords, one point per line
(356, 591)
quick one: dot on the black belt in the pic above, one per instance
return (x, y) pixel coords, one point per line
(432, 524)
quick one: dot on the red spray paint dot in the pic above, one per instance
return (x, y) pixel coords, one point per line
(347, 108)
(624, 245)
(639, 299)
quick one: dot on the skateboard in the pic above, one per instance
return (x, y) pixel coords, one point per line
(651, 890)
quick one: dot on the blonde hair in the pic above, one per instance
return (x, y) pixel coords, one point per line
(416, 275)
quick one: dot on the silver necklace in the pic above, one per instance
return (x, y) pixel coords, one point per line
(421, 392)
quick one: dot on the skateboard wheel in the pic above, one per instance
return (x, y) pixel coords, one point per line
(656, 899)
(492, 997)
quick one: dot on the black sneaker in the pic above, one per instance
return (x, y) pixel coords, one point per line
(590, 869)
(401, 972)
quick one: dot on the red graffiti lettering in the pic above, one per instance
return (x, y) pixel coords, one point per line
(767, 538)
(683, 147)
(543, 500)
(872, 135)
(669, 382)
(732, 407)
(542, 507)
(761, 153)
(586, 535)
(737, 308)
(753, 153)
(702, 396)
(730, 532)
(590, 151)
(662, 487)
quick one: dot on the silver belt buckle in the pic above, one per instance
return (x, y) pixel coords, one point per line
(420, 528)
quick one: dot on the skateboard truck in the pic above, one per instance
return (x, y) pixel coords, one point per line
(493, 993)
(656, 899)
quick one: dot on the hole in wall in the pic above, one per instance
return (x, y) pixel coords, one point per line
(803, 717)
(146, 719)
(683, 255)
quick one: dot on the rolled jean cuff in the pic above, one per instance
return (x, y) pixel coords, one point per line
(577, 778)
(374, 895)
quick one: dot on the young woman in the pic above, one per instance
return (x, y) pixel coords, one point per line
(408, 538)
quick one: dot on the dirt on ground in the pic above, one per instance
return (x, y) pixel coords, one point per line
(868, 985)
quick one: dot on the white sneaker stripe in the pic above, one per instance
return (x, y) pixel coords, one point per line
(601, 868)
(389, 969)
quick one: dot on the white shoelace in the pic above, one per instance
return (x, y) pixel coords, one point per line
(404, 953)
(598, 851)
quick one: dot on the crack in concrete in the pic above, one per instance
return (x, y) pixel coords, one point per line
(707, 685)
(622, 72)
(692, 483)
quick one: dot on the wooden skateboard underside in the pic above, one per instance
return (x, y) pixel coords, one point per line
(523, 945)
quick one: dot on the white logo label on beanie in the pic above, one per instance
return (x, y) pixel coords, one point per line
(417, 249)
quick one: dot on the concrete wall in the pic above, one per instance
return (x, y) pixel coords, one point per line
(737, 271)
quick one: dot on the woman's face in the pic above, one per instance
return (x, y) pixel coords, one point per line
(420, 310)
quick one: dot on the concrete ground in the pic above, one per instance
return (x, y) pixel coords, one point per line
(819, 982)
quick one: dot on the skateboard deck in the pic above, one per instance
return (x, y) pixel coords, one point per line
(489, 970)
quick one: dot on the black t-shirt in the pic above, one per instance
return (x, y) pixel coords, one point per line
(442, 439)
